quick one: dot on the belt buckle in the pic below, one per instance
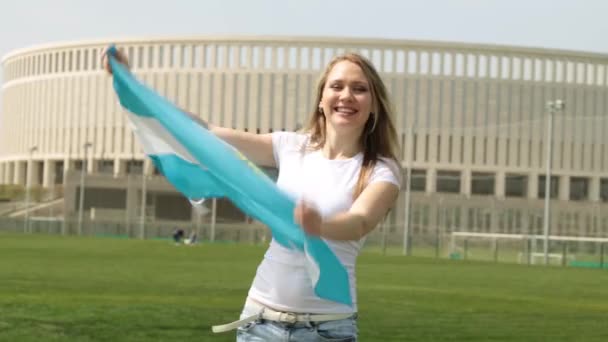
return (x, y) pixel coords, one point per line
(288, 317)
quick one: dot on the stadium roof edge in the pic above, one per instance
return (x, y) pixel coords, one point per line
(380, 42)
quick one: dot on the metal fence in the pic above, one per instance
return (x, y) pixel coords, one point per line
(441, 227)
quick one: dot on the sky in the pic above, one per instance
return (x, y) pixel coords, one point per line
(561, 24)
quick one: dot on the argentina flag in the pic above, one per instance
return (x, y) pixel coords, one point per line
(200, 165)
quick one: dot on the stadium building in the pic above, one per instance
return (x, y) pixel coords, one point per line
(473, 122)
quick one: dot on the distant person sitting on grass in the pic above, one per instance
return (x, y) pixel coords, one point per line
(178, 235)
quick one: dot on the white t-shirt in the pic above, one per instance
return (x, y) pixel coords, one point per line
(282, 281)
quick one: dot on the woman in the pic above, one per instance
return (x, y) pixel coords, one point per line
(343, 169)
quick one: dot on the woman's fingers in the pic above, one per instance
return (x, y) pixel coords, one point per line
(308, 218)
(298, 213)
(105, 62)
(120, 56)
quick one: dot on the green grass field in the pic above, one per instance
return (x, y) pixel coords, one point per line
(56, 288)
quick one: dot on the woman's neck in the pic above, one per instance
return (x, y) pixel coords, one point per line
(342, 146)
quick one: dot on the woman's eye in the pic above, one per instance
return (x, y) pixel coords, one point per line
(355, 89)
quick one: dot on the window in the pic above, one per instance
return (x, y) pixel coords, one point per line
(58, 179)
(604, 189)
(85, 60)
(134, 167)
(78, 165)
(554, 186)
(103, 198)
(106, 166)
(448, 181)
(579, 188)
(482, 183)
(418, 179)
(516, 185)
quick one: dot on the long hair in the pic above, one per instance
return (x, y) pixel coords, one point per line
(379, 137)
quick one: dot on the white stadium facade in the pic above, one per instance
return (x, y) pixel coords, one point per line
(473, 122)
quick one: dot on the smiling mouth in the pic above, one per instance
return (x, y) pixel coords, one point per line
(345, 111)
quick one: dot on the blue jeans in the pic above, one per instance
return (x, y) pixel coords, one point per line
(344, 330)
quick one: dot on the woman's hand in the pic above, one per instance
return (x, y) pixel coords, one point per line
(308, 218)
(120, 56)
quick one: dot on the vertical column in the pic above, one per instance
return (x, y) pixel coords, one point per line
(525, 110)
(68, 166)
(48, 173)
(71, 145)
(115, 131)
(91, 109)
(594, 189)
(91, 161)
(465, 182)
(567, 116)
(212, 56)
(194, 92)
(584, 146)
(19, 175)
(147, 167)
(70, 205)
(100, 112)
(431, 181)
(229, 98)
(205, 100)
(537, 109)
(241, 107)
(480, 94)
(9, 105)
(499, 185)
(32, 172)
(9, 176)
(120, 167)
(533, 185)
(146, 56)
(431, 101)
(505, 99)
(455, 110)
(466, 108)
(514, 116)
(222, 82)
(3, 173)
(58, 121)
(564, 188)
(597, 128)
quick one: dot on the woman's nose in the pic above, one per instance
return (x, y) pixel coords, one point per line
(346, 94)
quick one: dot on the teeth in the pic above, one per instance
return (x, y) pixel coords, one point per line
(346, 110)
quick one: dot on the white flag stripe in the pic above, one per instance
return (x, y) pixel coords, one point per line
(155, 139)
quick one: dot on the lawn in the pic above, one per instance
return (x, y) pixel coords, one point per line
(55, 288)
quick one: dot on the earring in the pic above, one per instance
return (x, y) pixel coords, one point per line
(375, 119)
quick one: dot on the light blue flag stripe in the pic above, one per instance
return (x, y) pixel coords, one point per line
(200, 165)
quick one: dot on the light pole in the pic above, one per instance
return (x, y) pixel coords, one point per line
(28, 186)
(553, 107)
(213, 218)
(142, 218)
(408, 189)
(83, 172)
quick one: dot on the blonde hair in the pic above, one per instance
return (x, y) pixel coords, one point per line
(379, 137)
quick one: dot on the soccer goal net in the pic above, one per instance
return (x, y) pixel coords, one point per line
(526, 248)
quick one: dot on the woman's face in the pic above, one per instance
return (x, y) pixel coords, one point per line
(347, 98)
